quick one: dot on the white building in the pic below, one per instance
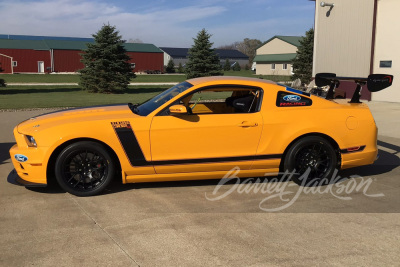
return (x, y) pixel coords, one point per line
(356, 38)
(276, 55)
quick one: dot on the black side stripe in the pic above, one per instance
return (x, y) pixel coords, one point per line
(136, 157)
(131, 146)
(214, 160)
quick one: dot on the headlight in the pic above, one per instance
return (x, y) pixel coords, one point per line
(30, 141)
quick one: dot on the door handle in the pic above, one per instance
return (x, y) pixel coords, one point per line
(248, 124)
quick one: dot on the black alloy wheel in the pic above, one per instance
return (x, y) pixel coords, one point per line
(313, 159)
(84, 168)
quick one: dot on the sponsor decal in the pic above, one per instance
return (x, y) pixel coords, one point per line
(388, 78)
(292, 98)
(121, 124)
(292, 104)
(285, 99)
(21, 158)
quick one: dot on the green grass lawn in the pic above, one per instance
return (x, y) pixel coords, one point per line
(24, 97)
(74, 78)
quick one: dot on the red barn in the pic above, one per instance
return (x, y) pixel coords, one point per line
(39, 56)
(28, 55)
(6, 64)
(145, 56)
(66, 55)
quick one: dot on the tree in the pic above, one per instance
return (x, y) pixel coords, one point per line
(180, 68)
(302, 64)
(247, 47)
(227, 65)
(106, 63)
(170, 66)
(202, 59)
(232, 46)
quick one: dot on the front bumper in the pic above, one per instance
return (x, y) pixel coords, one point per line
(32, 171)
(13, 178)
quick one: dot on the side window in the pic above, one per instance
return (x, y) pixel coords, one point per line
(221, 100)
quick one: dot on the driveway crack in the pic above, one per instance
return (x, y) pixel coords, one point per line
(103, 230)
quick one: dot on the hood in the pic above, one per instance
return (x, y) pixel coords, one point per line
(74, 115)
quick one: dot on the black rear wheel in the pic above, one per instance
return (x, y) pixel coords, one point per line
(84, 168)
(313, 159)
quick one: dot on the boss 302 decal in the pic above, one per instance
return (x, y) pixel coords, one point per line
(285, 99)
(128, 140)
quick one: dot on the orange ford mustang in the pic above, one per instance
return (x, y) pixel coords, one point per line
(198, 129)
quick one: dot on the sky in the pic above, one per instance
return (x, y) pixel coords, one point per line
(165, 23)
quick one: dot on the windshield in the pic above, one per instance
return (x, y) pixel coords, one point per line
(149, 106)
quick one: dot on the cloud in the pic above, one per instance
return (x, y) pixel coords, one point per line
(164, 23)
(83, 18)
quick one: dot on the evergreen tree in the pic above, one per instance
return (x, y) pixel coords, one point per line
(106, 63)
(302, 64)
(170, 66)
(227, 65)
(203, 61)
(180, 68)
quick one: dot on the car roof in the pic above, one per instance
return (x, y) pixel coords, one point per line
(228, 79)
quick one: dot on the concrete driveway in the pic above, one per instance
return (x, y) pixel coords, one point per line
(190, 223)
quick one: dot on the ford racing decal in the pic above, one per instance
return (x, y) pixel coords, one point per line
(292, 98)
(21, 158)
(285, 99)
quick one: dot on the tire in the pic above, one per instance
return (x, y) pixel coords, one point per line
(84, 168)
(314, 153)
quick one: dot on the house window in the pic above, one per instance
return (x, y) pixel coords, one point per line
(385, 64)
(272, 66)
(14, 64)
(284, 66)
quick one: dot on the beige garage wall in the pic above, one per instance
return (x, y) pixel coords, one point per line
(265, 69)
(342, 41)
(276, 46)
(387, 47)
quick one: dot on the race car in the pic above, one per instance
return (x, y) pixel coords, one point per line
(200, 129)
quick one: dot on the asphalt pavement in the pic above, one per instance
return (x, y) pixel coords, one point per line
(208, 223)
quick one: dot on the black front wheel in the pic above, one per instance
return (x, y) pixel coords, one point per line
(84, 168)
(313, 159)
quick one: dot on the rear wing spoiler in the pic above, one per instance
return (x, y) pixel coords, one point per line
(375, 83)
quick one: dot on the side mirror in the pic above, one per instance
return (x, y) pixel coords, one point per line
(377, 82)
(178, 109)
(324, 79)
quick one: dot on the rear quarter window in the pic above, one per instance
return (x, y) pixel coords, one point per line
(288, 99)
